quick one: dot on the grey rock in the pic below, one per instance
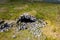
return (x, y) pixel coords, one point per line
(4, 27)
(23, 26)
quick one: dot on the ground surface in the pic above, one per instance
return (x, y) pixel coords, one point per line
(48, 11)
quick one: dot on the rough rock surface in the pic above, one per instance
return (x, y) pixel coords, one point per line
(33, 25)
(24, 22)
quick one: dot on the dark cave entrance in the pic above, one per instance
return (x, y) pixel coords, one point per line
(26, 19)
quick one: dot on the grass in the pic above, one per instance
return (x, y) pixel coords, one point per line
(48, 11)
(41, 8)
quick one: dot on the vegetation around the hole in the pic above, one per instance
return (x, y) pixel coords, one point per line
(47, 11)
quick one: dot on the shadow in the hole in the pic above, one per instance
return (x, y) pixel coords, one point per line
(26, 19)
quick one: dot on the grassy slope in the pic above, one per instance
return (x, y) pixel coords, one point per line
(47, 11)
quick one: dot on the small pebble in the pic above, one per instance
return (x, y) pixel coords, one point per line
(14, 36)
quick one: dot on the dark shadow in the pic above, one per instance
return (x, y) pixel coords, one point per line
(26, 19)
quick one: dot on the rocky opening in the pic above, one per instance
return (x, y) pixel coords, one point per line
(26, 18)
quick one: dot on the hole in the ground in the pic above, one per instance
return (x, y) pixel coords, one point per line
(26, 19)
